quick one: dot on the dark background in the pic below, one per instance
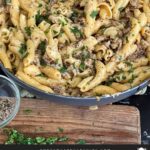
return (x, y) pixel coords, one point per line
(142, 102)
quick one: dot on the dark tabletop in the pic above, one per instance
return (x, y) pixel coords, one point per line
(142, 102)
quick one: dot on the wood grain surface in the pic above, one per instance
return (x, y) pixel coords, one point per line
(111, 124)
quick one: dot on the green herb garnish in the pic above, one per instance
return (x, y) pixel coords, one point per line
(82, 66)
(42, 47)
(39, 18)
(63, 139)
(63, 22)
(110, 81)
(41, 75)
(27, 111)
(76, 32)
(40, 5)
(55, 32)
(61, 130)
(28, 31)
(132, 78)
(14, 137)
(85, 53)
(43, 62)
(94, 14)
(81, 142)
(23, 50)
(63, 69)
(74, 15)
(121, 8)
(127, 40)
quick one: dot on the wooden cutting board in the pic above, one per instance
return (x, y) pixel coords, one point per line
(112, 124)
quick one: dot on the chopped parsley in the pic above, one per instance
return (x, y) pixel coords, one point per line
(63, 139)
(63, 22)
(40, 5)
(127, 39)
(132, 78)
(124, 77)
(82, 66)
(41, 75)
(76, 32)
(94, 14)
(81, 142)
(39, 18)
(27, 111)
(121, 8)
(103, 28)
(61, 33)
(42, 47)
(23, 50)
(14, 137)
(63, 69)
(55, 32)
(43, 62)
(61, 130)
(74, 15)
(110, 81)
(85, 53)
(130, 65)
(28, 31)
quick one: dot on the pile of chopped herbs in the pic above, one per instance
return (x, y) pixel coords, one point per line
(15, 137)
(6, 108)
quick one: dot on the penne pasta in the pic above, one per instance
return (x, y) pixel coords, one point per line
(103, 90)
(77, 48)
(25, 78)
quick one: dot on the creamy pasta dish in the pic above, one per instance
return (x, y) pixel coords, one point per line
(76, 47)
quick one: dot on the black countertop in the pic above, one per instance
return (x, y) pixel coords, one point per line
(142, 102)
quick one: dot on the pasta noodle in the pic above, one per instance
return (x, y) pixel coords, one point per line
(77, 47)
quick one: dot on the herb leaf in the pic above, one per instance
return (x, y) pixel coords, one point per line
(28, 31)
(63, 69)
(63, 22)
(43, 62)
(76, 32)
(94, 14)
(14, 137)
(27, 111)
(61, 130)
(41, 75)
(82, 66)
(74, 15)
(39, 18)
(23, 50)
(81, 142)
(42, 47)
(121, 8)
